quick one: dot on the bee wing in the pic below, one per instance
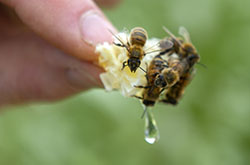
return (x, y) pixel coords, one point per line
(151, 47)
(172, 35)
(125, 30)
(166, 44)
(168, 31)
(183, 32)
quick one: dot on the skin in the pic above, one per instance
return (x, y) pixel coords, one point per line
(47, 48)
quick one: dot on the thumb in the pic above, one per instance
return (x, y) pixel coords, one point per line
(74, 26)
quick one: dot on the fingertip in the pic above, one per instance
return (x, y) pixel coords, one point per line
(95, 28)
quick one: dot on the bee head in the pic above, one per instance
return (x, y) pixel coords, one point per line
(160, 81)
(192, 59)
(133, 64)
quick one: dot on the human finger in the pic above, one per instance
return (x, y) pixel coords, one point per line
(73, 26)
(32, 70)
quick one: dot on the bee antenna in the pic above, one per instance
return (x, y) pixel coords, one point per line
(142, 69)
(203, 65)
(144, 112)
(119, 40)
(113, 33)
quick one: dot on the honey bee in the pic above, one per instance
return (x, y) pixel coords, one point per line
(171, 75)
(135, 52)
(188, 56)
(183, 48)
(134, 46)
(151, 93)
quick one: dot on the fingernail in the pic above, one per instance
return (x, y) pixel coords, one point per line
(95, 29)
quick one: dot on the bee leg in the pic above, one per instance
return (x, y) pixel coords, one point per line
(138, 97)
(142, 69)
(162, 90)
(155, 74)
(128, 42)
(146, 66)
(165, 66)
(140, 86)
(150, 90)
(124, 65)
(170, 101)
(146, 70)
(163, 101)
(120, 45)
(146, 77)
(165, 51)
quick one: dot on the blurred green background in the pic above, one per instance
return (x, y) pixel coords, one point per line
(210, 126)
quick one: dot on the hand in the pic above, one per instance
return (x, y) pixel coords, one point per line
(37, 38)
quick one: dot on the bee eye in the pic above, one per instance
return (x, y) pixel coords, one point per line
(157, 82)
(138, 62)
(160, 81)
(192, 59)
(129, 61)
